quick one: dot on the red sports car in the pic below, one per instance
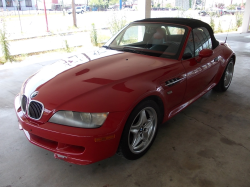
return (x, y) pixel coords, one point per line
(90, 106)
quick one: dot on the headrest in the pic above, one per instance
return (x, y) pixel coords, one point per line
(159, 34)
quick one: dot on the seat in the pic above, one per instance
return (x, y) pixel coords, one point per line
(159, 36)
(158, 39)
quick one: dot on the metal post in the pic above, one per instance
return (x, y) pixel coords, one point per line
(120, 4)
(63, 8)
(74, 13)
(19, 17)
(45, 15)
(194, 5)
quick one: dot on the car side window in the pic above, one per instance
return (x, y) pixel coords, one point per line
(189, 50)
(176, 30)
(202, 39)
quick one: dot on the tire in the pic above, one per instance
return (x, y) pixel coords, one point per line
(226, 78)
(140, 130)
(82, 12)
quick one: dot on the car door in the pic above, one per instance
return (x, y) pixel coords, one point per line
(200, 74)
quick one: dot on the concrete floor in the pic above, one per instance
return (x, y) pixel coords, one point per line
(206, 145)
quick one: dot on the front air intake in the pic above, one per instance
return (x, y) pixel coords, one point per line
(35, 110)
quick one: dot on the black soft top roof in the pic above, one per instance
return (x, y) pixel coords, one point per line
(193, 23)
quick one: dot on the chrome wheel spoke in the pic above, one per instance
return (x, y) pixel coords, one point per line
(134, 130)
(143, 117)
(150, 131)
(137, 139)
(149, 123)
(141, 121)
(141, 145)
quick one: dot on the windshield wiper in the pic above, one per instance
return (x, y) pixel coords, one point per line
(126, 49)
(106, 47)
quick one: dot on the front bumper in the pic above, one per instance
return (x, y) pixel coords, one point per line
(71, 144)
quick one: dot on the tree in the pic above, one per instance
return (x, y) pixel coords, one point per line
(97, 2)
(231, 7)
(168, 5)
(221, 5)
(4, 43)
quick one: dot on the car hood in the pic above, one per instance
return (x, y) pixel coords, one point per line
(68, 79)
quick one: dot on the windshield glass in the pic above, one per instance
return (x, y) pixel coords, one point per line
(156, 39)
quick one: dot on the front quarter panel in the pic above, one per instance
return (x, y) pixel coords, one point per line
(225, 55)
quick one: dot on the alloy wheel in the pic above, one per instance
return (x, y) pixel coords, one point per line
(142, 130)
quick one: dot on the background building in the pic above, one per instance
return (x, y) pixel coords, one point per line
(184, 4)
(17, 4)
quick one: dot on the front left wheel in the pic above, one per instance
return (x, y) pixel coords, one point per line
(140, 130)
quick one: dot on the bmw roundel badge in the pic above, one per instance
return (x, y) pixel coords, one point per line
(34, 94)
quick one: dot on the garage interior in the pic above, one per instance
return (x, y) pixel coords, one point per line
(205, 145)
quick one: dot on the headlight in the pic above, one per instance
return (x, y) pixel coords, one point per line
(79, 119)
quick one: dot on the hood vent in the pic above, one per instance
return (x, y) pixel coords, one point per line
(173, 81)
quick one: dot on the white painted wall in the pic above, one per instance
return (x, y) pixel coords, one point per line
(246, 18)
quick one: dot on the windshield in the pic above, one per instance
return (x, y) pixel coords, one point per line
(155, 39)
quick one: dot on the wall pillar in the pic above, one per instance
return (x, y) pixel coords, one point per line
(144, 7)
(4, 5)
(246, 18)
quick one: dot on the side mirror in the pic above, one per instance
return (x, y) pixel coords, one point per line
(204, 53)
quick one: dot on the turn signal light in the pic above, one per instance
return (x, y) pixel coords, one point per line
(101, 139)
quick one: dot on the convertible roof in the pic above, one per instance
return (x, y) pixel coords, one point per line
(193, 23)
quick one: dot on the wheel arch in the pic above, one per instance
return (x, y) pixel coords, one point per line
(159, 102)
(157, 99)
